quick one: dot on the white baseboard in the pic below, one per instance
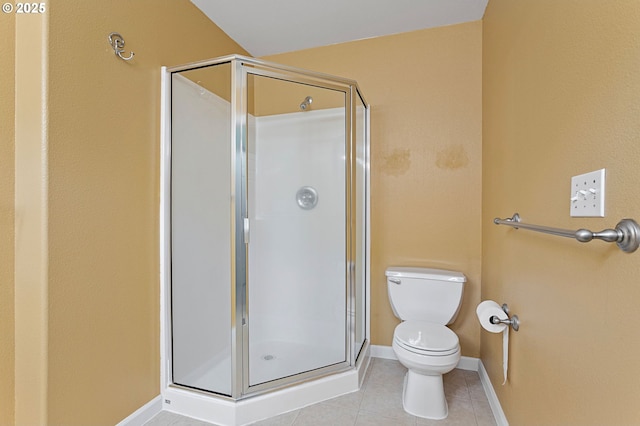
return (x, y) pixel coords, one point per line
(144, 413)
(496, 408)
(468, 363)
(385, 352)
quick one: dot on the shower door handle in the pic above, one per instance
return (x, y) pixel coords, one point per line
(246, 230)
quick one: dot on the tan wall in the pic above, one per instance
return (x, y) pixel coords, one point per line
(561, 97)
(424, 88)
(7, 51)
(102, 349)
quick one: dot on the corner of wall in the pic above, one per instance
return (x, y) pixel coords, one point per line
(31, 267)
(7, 214)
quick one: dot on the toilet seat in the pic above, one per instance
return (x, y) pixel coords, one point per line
(426, 338)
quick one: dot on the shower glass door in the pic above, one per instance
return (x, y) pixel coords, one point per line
(296, 186)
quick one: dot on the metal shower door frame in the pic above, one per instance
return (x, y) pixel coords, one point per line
(242, 69)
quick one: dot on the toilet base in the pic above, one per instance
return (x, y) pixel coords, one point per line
(423, 396)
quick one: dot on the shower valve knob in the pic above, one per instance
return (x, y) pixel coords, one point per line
(307, 197)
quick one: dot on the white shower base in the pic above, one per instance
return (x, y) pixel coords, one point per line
(268, 361)
(208, 407)
(274, 360)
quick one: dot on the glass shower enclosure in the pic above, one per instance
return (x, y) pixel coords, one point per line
(265, 226)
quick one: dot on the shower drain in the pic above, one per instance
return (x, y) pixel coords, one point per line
(268, 357)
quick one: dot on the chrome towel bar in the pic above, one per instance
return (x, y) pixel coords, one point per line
(626, 234)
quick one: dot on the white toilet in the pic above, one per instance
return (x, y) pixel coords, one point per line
(426, 300)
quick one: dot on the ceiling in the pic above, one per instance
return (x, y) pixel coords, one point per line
(267, 27)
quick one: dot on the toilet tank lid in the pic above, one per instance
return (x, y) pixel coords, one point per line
(425, 273)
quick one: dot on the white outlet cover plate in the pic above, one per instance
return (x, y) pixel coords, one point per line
(587, 194)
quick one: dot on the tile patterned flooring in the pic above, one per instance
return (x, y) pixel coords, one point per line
(377, 403)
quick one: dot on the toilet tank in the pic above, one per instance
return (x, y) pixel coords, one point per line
(433, 295)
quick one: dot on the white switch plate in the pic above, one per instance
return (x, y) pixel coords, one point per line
(587, 194)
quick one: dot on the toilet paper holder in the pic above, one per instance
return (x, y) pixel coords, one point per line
(513, 321)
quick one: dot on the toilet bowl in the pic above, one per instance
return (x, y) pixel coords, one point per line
(426, 300)
(423, 393)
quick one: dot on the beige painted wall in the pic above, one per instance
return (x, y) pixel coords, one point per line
(561, 86)
(101, 256)
(7, 52)
(424, 88)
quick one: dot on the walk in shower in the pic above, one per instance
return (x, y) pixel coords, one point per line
(264, 224)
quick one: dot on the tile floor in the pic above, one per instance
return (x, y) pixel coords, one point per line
(377, 403)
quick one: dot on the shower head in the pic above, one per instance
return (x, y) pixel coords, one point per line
(306, 104)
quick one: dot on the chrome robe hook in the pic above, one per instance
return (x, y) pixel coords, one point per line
(117, 43)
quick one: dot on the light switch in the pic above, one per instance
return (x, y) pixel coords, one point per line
(587, 194)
